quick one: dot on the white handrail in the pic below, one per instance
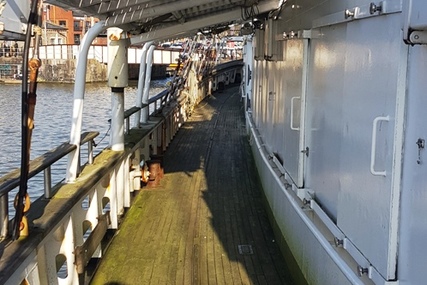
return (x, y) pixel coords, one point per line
(79, 90)
(141, 81)
(147, 83)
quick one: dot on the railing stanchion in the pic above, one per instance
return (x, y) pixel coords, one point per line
(127, 125)
(90, 151)
(47, 183)
(4, 216)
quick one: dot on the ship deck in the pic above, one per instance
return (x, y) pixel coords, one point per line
(205, 222)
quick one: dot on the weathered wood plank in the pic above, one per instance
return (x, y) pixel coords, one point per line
(188, 229)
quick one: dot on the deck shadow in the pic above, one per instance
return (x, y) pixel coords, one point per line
(205, 223)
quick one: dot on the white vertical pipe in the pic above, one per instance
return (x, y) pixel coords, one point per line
(113, 200)
(4, 216)
(117, 137)
(120, 188)
(210, 86)
(247, 72)
(147, 84)
(79, 90)
(141, 81)
(117, 80)
(67, 249)
(127, 182)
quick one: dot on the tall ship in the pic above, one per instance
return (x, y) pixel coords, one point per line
(332, 98)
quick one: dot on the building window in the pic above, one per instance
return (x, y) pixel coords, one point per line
(63, 23)
(76, 39)
(56, 40)
(77, 26)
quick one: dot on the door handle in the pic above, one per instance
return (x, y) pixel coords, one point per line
(374, 143)
(292, 114)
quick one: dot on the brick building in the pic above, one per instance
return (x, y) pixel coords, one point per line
(74, 26)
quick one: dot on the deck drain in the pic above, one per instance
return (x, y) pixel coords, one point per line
(245, 249)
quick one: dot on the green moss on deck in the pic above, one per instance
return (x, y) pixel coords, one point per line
(188, 229)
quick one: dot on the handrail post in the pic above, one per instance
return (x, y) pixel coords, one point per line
(141, 82)
(47, 183)
(145, 110)
(117, 81)
(127, 125)
(4, 217)
(79, 90)
(90, 152)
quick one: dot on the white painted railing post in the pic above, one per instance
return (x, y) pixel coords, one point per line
(145, 111)
(141, 81)
(117, 80)
(79, 90)
(4, 216)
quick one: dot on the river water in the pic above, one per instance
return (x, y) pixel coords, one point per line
(52, 121)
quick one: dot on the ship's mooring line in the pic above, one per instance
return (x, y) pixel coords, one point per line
(106, 133)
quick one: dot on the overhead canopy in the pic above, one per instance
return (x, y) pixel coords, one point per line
(149, 20)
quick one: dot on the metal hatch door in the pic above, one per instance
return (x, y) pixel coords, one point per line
(295, 76)
(370, 157)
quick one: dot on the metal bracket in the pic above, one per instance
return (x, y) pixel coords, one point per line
(306, 151)
(421, 143)
(418, 37)
(305, 194)
(414, 22)
(338, 242)
(349, 13)
(360, 12)
(362, 270)
(373, 8)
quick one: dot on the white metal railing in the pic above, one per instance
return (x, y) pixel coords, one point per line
(161, 55)
(43, 164)
(154, 105)
(67, 229)
(93, 203)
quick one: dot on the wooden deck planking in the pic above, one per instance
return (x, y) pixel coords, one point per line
(187, 230)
